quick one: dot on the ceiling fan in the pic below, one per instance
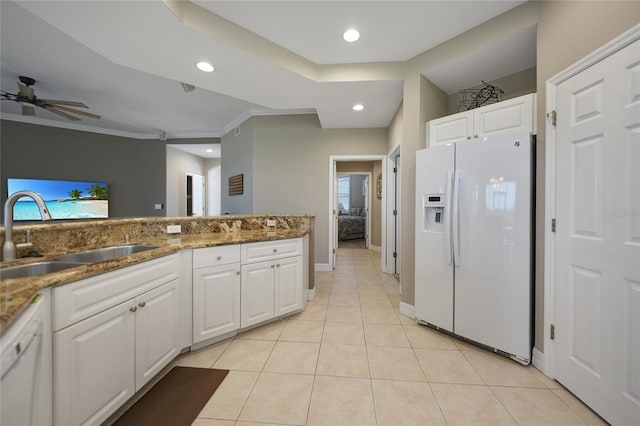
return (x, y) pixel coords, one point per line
(29, 101)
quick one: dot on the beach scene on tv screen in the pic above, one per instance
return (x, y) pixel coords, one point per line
(64, 199)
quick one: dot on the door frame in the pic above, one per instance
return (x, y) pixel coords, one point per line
(202, 192)
(546, 361)
(368, 206)
(331, 204)
(389, 206)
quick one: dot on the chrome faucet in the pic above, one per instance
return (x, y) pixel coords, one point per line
(9, 247)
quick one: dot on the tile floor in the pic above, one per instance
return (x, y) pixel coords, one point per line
(351, 359)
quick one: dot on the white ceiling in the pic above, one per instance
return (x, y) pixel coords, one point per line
(126, 59)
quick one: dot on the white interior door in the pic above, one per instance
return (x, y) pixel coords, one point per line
(335, 217)
(597, 328)
(195, 195)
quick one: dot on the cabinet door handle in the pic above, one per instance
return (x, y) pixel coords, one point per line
(272, 266)
(275, 250)
(475, 136)
(219, 257)
(133, 308)
(278, 265)
(468, 137)
(237, 272)
(142, 304)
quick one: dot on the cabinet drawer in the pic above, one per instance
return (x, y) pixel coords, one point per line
(81, 299)
(214, 256)
(269, 250)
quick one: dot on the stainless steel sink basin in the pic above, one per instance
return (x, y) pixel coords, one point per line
(36, 269)
(107, 253)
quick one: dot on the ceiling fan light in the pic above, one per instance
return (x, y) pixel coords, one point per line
(205, 66)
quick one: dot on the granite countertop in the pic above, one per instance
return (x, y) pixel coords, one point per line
(16, 293)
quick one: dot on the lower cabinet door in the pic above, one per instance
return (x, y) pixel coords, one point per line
(94, 366)
(257, 288)
(288, 285)
(216, 301)
(157, 328)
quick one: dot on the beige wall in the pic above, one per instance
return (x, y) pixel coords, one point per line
(423, 101)
(237, 158)
(567, 32)
(291, 166)
(373, 167)
(514, 85)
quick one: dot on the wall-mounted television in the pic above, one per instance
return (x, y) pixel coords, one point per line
(65, 199)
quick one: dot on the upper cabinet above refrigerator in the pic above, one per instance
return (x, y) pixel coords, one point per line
(517, 115)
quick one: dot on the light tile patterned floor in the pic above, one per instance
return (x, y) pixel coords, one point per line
(351, 359)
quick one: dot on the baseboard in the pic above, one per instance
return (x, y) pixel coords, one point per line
(311, 294)
(407, 310)
(375, 248)
(322, 267)
(539, 361)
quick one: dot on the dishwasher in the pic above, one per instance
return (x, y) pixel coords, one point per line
(21, 353)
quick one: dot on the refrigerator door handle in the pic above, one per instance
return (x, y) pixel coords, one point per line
(455, 226)
(448, 216)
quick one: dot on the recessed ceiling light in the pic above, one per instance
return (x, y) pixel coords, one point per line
(358, 107)
(351, 35)
(209, 150)
(205, 66)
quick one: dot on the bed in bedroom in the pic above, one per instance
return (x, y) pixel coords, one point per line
(352, 226)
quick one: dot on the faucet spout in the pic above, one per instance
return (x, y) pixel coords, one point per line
(9, 247)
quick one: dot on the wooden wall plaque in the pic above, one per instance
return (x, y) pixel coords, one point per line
(236, 185)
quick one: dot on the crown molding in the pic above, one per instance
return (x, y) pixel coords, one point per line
(264, 112)
(80, 127)
(192, 135)
(161, 135)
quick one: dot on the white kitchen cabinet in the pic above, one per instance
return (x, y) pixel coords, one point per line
(510, 116)
(101, 359)
(94, 367)
(287, 285)
(257, 297)
(157, 330)
(273, 287)
(216, 292)
(216, 301)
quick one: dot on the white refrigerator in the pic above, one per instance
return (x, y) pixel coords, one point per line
(473, 245)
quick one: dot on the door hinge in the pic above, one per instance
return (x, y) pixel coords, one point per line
(395, 170)
(334, 251)
(552, 332)
(395, 212)
(395, 254)
(553, 116)
(553, 225)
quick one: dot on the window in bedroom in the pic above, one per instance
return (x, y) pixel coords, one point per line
(344, 184)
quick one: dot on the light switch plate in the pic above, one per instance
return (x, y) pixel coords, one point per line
(157, 206)
(271, 222)
(174, 229)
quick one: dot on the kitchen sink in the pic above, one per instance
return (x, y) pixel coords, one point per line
(37, 269)
(106, 253)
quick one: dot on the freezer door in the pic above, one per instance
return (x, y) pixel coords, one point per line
(433, 262)
(493, 270)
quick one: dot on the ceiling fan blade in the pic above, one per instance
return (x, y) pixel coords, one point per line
(54, 102)
(60, 113)
(28, 110)
(87, 114)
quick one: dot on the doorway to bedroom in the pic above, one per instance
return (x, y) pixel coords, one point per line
(354, 210)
